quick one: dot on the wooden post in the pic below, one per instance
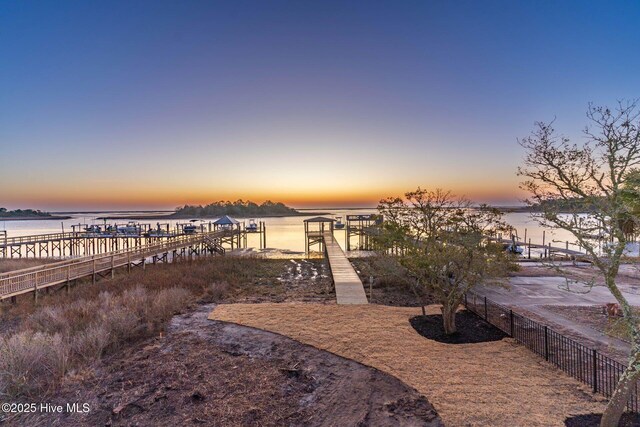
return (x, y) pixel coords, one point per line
(370, 289)
(529, 247)
(35, 288)
(112, 268)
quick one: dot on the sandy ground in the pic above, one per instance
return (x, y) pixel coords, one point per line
(220, 374)
(498, 383)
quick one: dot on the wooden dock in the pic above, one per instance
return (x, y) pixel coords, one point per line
(33, 279)
(349, 288)
(546, 248)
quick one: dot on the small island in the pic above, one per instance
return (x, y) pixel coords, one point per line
(26, 214)
(238, 209)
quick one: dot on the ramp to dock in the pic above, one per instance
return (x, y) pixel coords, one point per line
(349, 288)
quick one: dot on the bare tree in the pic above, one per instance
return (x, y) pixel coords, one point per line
(441, 241)
(585, 189)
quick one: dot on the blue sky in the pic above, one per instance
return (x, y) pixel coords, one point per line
(127, 104)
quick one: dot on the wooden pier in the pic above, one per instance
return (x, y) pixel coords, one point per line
(41, 277)
(83, 243)
(349, 288)
(546, 248)
(73, 244)
(347, 283)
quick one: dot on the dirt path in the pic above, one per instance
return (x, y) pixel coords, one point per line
(221, 374)
(498, 383)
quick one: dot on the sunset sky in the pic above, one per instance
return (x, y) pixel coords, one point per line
(154, 104)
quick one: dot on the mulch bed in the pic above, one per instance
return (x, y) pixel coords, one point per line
(470, 329)
(593, 420)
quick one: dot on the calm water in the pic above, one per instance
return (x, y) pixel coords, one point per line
(285, 233)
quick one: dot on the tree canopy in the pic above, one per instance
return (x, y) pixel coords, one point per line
(441, 241)
(237, 208)
(601, 172)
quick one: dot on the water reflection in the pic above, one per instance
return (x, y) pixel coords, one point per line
(284, 233)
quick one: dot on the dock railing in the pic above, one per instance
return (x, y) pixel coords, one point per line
(585, 364)
(32, 279)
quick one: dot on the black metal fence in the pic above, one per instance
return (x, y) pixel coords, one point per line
(583, 363)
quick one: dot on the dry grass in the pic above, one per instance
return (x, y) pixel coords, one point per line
(58, 339)
(497, 384)
(19, 264)
(94, 320)
(211, 278)
(31, 363)
(593, 316)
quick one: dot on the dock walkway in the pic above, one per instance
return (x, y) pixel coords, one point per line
(349, 288)
(32, 279)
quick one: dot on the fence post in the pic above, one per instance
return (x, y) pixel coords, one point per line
(595, 371)
(466, 305)
(511, 321)
(486, 317)
(546, 343)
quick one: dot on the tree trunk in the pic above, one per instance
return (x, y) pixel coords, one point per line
(449, 319)
(618, 402)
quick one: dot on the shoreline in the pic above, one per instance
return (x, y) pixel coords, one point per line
(143, 217)
(33, 218)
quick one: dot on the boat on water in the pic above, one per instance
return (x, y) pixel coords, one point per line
(252, 226)
(338, 224)
(131, 229)
(189, 229)
(93, 229)
(514, 248)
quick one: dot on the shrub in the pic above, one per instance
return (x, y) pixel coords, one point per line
(49, 319)
(166, 303)
(31, 363)
(217, 291)
(89, 345)
(123, 325)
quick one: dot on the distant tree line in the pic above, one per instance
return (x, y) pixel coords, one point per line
(4, 213)
(237, 208)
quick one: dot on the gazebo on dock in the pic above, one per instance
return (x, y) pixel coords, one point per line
(314, 229)
(226, 223)
(232, 229)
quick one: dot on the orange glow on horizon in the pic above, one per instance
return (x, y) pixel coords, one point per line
(160, 198)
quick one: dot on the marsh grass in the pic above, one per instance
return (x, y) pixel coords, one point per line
(20, 263)
(67, 333)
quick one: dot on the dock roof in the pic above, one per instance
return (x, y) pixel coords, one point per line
(226, 220)
(319, 219)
